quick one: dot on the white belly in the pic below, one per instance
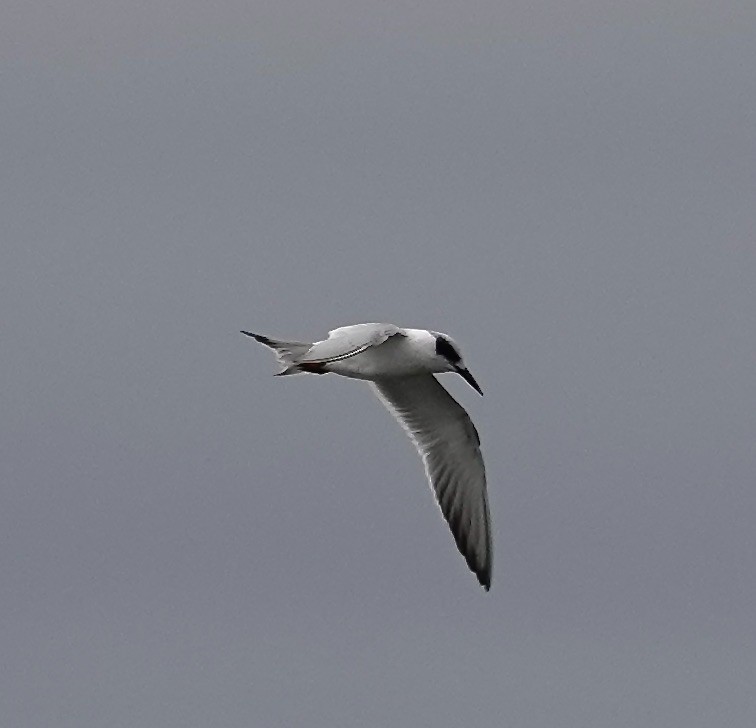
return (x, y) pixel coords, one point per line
(394, 358)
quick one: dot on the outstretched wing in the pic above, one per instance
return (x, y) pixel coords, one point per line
(450, 447)
(349, 341)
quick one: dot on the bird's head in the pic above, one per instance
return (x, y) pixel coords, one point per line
(449, 358)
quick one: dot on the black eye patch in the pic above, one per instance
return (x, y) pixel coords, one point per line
(446, 350)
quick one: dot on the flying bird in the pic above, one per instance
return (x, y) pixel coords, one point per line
(400, 365)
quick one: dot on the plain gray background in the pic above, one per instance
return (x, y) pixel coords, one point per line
(567, 188)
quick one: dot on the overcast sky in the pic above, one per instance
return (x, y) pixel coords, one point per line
(566, 188)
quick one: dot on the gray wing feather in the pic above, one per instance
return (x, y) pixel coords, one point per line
(450, 447)
(349, 341)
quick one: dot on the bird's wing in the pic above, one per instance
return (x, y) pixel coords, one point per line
(349, 341)
(448, 442)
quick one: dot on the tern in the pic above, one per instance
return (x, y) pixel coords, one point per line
(400, 365)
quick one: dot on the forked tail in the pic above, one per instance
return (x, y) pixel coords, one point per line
(288, 352)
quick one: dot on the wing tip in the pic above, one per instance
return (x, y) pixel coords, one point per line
(481, 567)
(484, 579)
(479, 559)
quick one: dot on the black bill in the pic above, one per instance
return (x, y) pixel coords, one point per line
(470, 379)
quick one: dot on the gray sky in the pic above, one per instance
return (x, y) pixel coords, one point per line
(567, 188)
